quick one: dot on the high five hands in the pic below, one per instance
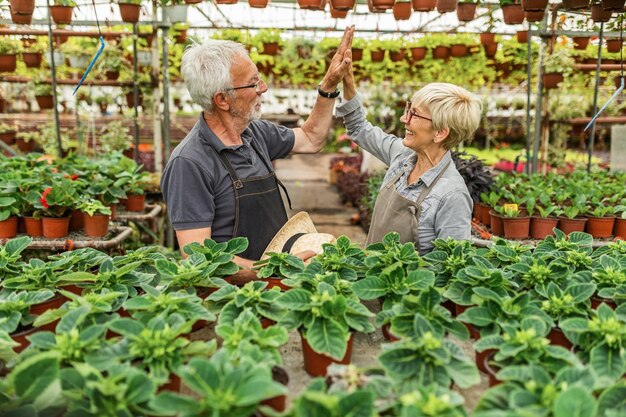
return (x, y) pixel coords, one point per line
(341, 64)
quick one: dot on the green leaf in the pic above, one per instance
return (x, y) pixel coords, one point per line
(575, 402)
(612, 398)
(34, 375)
(401, 362)
(357, 404)
(371, 288)
(606, 362)
(126, 327)
(173, 403)
(295, 299)
(327, 337)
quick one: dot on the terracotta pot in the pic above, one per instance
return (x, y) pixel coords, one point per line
(76, 221)
(20, 337)
(598, 14)
(482, 357)
(270, 48)
(534, 16)
(516, 227)
(55, 227)
(113, 208)
(8, 228)
(32, 59)
(446, 6)
(522, 36)
(581, 42)
(357, 54)
(497, 227)
(534, 5)
(383, 4)
(490, 370)
(487, 38)
(466, 12)
(552, 80)
(8, 62)
(450, 306)
(613, 5)
(275, 282)
(619, 230)
(441, 52)
(8, 137)
(51, 304)
(568, 226)
(130, 12)
(459, 309)
(397, 56)
(62, 15)
(130, 99)
(23, 7)
(135, 202)
(490, 49)
(513, 14)
(21, 19)
(385, 329)
(418, 53)
(44, 102)
(596, 301)
(265, 322)
(575, 4)
(485, 217)
(600, 227)
(377, 55)
(259, 4)
(557, 338)
(112, 75)
(613, 45)
(540, 227)
(279, 374)
(424, 5)
(173, 384)
(96, 225)
(402, 10)
(316, 364)
(34, 226)
(458, 50)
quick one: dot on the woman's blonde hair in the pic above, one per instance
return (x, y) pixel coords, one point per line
(451, 107)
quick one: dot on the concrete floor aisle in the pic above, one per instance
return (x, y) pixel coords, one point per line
(306, 179)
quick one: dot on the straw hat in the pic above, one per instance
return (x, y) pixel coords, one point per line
(301, 234)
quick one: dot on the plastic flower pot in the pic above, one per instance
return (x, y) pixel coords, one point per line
(130, 12)
(581, 42)
(265, 323)
(491, 370)
(516, 227)
(600, 227)
(482, 357)
(20, 337)
(385, 329)
(557, 337)
(279, 374)
(483, 213)
(466, 12)
(34, 226)
(598, 14)
(441, 52)
(596, 301)
(418, 53)
(76, 221)
(96, 225)
(459, 309)
(377, 55)
(44, 102)
(497, 227)
(62, 15)
(173, 384)
(135, 202)
(576, 224)
(315, 364)
(446, 6)
(424, 5)
(619, 230)
(540, 227)
(513, 14)
(8, 228)
(24, 146)
(357, 55)
(275, 282)
(55, 227)
(552, 80)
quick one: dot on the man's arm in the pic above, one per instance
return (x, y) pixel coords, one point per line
(310, 138)
(186, 237)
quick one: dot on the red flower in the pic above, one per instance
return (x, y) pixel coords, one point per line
(43, 200)
(74, 177)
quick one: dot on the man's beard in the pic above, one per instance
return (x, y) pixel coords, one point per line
(250, 117)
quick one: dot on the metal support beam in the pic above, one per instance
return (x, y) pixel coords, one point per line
(592, 137)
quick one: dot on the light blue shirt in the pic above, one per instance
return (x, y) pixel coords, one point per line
(447, 211)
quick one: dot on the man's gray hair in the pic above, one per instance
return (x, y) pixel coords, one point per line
(206, 69)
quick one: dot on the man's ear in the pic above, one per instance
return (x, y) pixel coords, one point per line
(219, 99)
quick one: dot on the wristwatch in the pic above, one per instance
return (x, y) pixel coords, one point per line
(323, 93)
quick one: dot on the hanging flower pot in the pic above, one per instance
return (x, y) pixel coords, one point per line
(130, 99)
(8, 62)
(552, 80)
(540, 227)
(424, 5)
(270, 48)
(581, 42)
(522, 36)
(55, 227)
(613, 45)
(516, 227)
(45, 102)
(176, 13)
(382, 4)
(575, 4)
(8, 228)
(22, 7)
(21, 19)
(338, 14)
(195, 1)
(96, 225)
(402, 10)
(316, 363)
(534, 17)
(600, 227)
(490, 50)
(135, 202)
(458, 50)
(397, 56)
(226, 1)
(34, 226)
(309, 4)
(342, 4)
(418, 53)
(619, 230)
(534, 5)
(130, 12)
(568, 226)
(613, 5)
(598, 14)
(487, 38)
(466, 12)
(357, 54)
(24, 146)
(257, 4)
(32, 59)
(8, 137)
(441, 52)
(377, 55)
(62, 15)
(446, 6)
(513, 14)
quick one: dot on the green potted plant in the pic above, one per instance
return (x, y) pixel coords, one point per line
(512, 12)
(7, 133)
(516, 225)
(96, 217)
(174, 10)
(129, 10)
(56, 203)
(556, 65)
(134, 182)
(26, 140)
(8, 54)
(268, 41)
(43, 94)
(61, 11)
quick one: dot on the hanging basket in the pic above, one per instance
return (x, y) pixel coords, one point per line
(513, 14)
(22, 7)
(534, 5)
(357, 54)
(575, 4)
(598, 14)
(613, 45)
(490, 50)
(32, 59)
(342, 4)
(446, 6)
(377, 55)
(522, 36)
(458, 50)
(8, 63)
(466, 12)
(21, 19)
(257, 4)
(270, 48)
(613, 5)
(441, 52)
(487, 38)
(534, 17)
(397, 56)
(424, 5)
(338, 14)
(130, 12)
(44, 102)
(62, 15)
(581, 42)
(383, 4)
(552, 80)
(418, 53)
(402, 10)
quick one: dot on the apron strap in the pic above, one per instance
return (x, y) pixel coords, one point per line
(237, 184)
(271, 169)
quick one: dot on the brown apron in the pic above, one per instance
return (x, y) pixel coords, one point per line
(395, 213)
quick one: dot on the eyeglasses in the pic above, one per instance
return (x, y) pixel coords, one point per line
(257, 86)
(410, 113)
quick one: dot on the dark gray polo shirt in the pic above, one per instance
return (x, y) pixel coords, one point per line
(196, 186)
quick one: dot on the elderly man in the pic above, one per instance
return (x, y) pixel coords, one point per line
(219, 182)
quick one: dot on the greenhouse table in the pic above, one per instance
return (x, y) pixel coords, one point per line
(78, 241)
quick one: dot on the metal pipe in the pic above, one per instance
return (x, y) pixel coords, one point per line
(538, 107)
(55, 100)
(135, 96)
(592, 137)
(528, 93)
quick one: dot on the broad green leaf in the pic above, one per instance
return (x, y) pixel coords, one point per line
(327, 337)
(575, 402)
